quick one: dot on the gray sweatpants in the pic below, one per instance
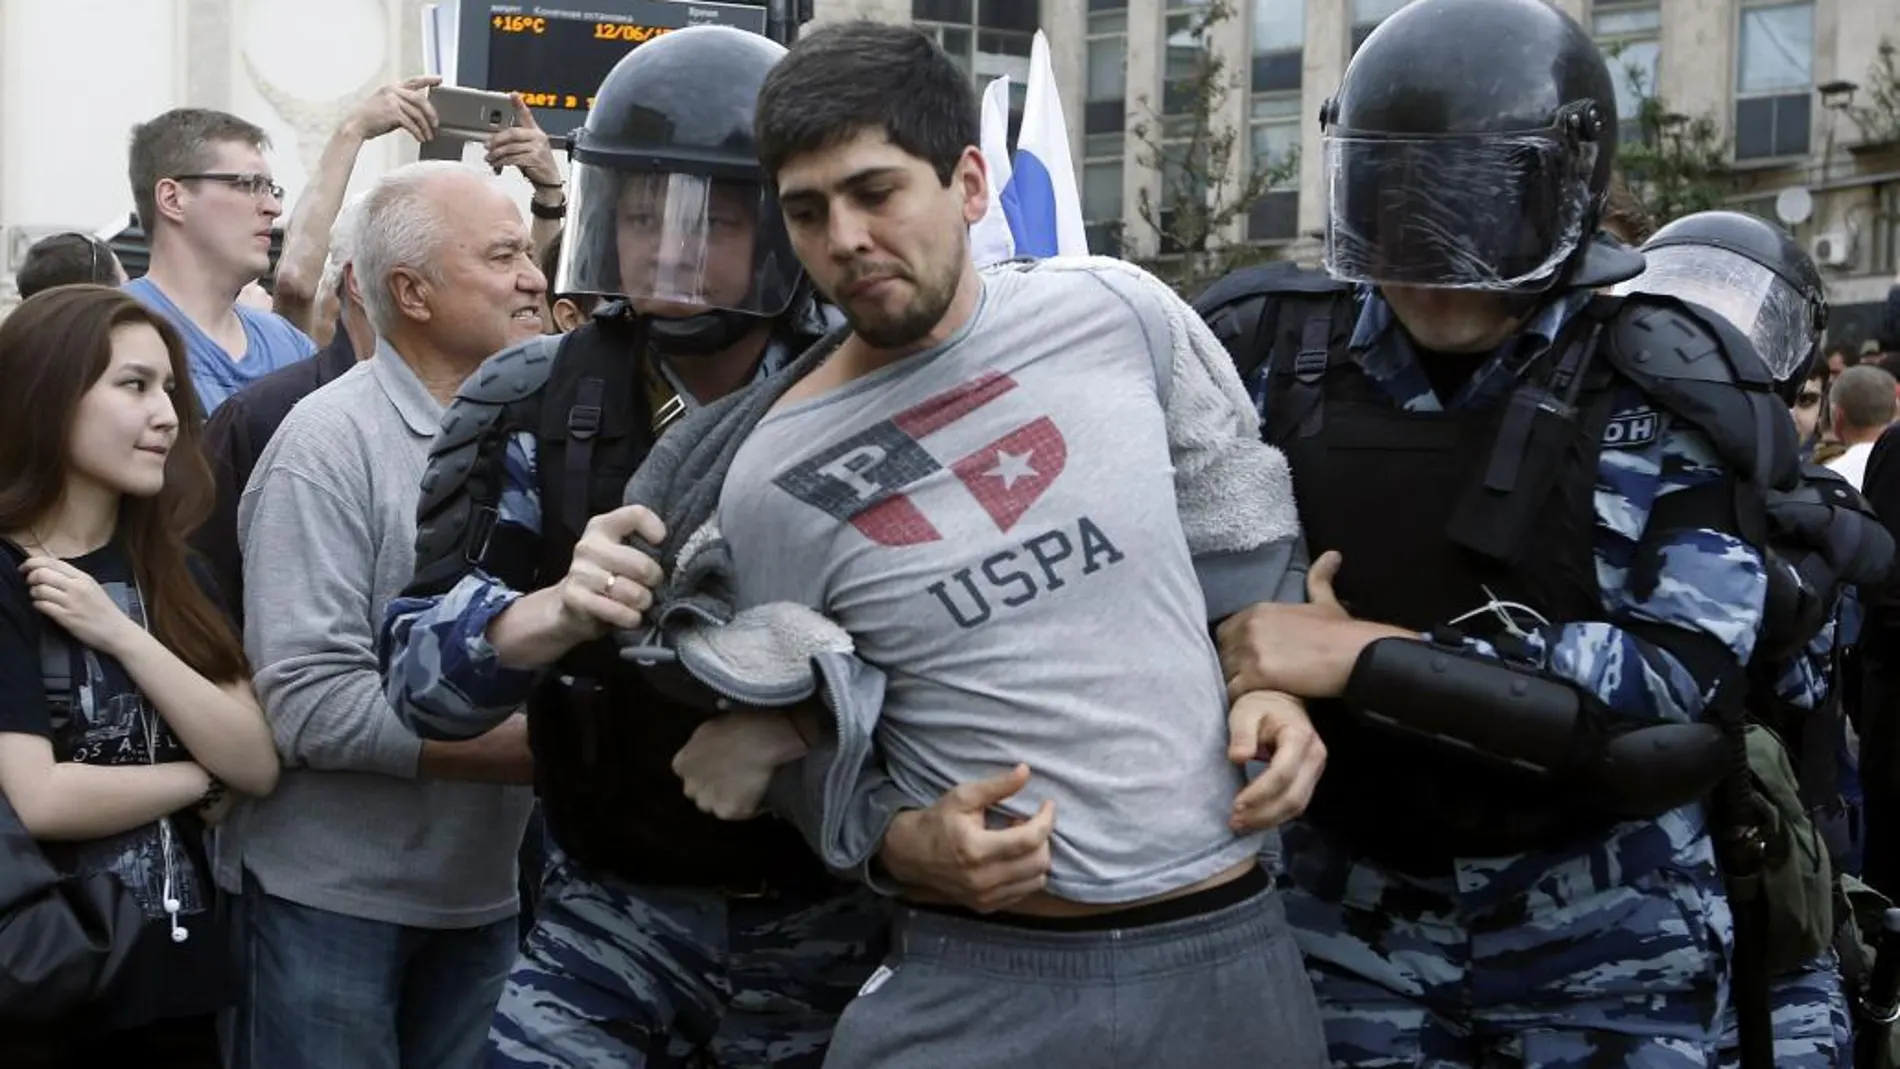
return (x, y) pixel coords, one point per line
(1225, 988)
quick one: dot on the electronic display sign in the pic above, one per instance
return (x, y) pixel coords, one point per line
(555, 55)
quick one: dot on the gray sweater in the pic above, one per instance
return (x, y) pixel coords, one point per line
(328, 529)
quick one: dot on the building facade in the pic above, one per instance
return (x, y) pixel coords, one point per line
(1773, 74)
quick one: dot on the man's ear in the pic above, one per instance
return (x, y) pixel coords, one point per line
(971, 180)
(168, 198)
(411, 292)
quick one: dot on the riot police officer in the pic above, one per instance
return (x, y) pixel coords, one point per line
(662, 933)
(1824, 541)
(1549, 509)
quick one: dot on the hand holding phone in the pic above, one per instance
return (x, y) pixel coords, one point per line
(465, 115)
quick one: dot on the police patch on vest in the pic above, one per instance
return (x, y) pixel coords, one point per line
(1629, 429)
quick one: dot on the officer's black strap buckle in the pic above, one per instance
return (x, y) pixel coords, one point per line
(1309, 365)
(583, 420)
(1309, 368)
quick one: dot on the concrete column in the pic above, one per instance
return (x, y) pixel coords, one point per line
(1328, 37)
(847, 10)
(1145, 51)
(1065, 25)
(1698, 64)
(1232, 44)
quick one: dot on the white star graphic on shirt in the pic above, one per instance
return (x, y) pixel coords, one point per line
(1011, 467)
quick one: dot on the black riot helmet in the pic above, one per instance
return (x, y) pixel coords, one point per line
(667, 204)
(1751, 273)
(1470, 147)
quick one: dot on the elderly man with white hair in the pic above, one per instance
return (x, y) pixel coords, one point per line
(378, 884)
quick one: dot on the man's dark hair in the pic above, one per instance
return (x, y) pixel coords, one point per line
(850, 77)
(63, 260)
(181, 141)
(550, 266)
(1623, 212)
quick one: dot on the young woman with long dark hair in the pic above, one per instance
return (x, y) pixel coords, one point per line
(126, 713)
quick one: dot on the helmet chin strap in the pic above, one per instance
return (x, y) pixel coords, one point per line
(699, 335)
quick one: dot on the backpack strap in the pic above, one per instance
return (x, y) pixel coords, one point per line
(457, 515)
(1311, 338)
(1244, 309)
(56, 667)
(583, 423)
(595, 425)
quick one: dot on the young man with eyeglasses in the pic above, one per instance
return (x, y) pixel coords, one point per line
(208, 203)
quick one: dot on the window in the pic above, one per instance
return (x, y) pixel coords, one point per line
(1279, 42)
(1630, 36)
(1366, 16)
(1774, 81)
(988, 39)
(1104, 107)
(1279, 39)
(1186, 52)
(1274, 134)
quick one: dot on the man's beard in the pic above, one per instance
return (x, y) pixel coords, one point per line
(915, 320)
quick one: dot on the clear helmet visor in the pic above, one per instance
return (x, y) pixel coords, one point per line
(1775, 316)
(675, 244)
(1502, 212)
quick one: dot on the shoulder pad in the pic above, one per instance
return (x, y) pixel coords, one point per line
(1239, 307)
(1705, 373)
(512, 375)
(445, 510)
(1824, 514)
(1264, 280)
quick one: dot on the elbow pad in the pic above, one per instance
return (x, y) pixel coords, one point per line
(1792, 612)
(1468, 702)
(1503, 716)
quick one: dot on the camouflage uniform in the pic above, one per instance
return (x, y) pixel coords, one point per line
(614, 973)
(1613, 952)
(1809, 1006)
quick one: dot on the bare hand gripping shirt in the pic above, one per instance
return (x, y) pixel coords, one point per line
(995, 522)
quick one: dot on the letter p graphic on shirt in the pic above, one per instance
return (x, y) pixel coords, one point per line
(850, 469)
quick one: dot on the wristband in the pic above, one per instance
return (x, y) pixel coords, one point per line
(539, 211)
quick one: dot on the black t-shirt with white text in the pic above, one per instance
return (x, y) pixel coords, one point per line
(104, 720)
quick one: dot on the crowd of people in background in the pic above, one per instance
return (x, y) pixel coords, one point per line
(220, 689)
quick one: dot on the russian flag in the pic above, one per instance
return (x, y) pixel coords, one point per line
(1039, 195)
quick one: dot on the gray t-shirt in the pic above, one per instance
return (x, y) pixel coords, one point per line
(996, 523)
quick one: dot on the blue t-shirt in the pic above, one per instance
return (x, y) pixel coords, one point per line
(271, 342)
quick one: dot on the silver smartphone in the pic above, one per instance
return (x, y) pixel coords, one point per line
(464, 115)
